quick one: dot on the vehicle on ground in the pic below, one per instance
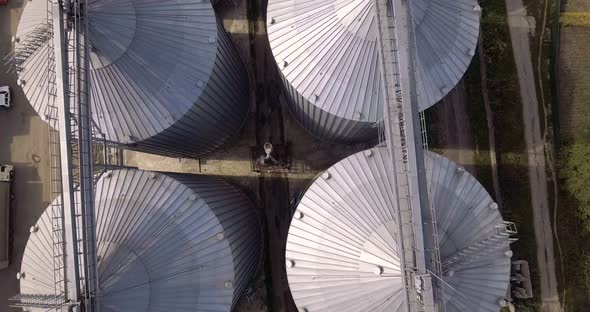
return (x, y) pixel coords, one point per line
(5, 99)
(6, 176)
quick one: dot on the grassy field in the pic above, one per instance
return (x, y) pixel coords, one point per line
(574, 94)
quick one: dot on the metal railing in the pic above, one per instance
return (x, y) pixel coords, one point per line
(424, 130)
(81, 128)
(25, 47)
(502, 238)
(399, 123)
(57, 209)
(71, 131)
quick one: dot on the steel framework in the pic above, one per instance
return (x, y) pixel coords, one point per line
(72, 135)
(406, 137)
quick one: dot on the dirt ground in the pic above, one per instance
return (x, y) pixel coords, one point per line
(24, 143)
(520, 31)
(454, 132)
(271, 122)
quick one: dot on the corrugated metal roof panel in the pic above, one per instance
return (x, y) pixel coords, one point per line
(166, 242)
(327, 54)
(342, 252)
(163, 72)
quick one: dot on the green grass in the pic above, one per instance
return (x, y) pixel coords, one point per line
(575, 19)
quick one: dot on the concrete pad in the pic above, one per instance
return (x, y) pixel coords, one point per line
(151, 162)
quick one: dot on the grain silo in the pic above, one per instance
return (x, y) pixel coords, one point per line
(165, 76)
(166, 242)
(342, 247)
(327, 55)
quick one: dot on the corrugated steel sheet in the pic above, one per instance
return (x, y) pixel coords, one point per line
(465, 217)
(342, 252)
(166, 77)
(166, 242)
(326, 52)
(446, 37)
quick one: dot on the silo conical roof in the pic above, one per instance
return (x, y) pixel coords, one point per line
(342, 249)
(166, 242)
(328, 55)
(164, 74)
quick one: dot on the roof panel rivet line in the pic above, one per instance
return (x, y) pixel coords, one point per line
(314, 98)
(326, 175)
(378, 270)
(130, 139)
(290, 263)
(298, 214)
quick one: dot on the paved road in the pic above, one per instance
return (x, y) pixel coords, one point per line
(23, 142)
(519, 31)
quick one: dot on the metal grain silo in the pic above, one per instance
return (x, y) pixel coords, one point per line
(342, 250)
(165, 76)
(327, 55)
(166, 242)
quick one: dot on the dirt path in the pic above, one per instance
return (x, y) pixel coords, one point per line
(456, 131)
(519, 31)
(490, 123)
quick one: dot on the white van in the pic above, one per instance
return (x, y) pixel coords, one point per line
(6, 176)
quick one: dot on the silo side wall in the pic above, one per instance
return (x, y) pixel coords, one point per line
(240, 223)
(218, 115)
(324, 125)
